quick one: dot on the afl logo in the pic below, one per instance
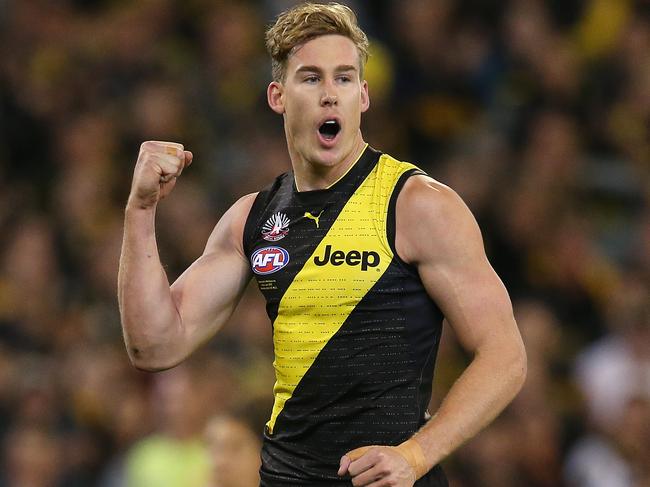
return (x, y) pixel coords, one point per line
(268, 260)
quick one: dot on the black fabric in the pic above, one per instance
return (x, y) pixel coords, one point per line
(378, 373)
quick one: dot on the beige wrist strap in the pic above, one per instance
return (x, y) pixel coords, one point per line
(413, 454)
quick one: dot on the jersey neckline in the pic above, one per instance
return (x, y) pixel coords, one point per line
(366, 159)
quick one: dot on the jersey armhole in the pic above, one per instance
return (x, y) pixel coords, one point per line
(252, 221)
(257, 211)
(391, 220)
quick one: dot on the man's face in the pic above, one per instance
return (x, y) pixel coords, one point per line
(322, 98)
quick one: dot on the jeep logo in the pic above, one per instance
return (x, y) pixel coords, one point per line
(353, 257)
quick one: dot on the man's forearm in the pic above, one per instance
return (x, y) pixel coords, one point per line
(484, 389)
(149, 318)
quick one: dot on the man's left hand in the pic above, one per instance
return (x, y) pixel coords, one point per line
(377, 466)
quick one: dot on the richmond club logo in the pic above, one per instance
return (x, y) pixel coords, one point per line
(269, 260)
(276, 227)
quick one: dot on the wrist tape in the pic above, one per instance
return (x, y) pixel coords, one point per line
(413, 454)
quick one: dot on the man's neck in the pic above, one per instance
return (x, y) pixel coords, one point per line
(311, 176)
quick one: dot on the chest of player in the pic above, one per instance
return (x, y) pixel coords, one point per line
(321, 253)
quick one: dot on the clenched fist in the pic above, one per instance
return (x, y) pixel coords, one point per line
(158, 166)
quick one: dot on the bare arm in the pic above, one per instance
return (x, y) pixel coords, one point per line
(458, 276)
(162, 325)
(437, 233)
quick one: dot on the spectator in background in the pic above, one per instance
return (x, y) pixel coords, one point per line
(174, 455)
(32, 458)
(616, 369)
(234, 450)
(614, 377)
(618, 458)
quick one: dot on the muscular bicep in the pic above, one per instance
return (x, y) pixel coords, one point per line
(439, 235)
(472, 298)
(207, 293)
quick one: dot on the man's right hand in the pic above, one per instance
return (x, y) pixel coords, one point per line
(158, 166)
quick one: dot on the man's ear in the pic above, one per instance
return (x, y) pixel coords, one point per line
(365, 96)
(274, 96)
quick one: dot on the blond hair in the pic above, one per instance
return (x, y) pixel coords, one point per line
(306, 21)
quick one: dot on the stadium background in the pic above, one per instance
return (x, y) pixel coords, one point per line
(536, 112)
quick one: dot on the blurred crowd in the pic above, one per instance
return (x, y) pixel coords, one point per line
(536, 112)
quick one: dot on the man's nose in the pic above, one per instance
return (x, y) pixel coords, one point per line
(329, 98)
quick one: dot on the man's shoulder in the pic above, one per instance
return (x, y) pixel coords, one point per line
(422, 193)
(229, 230)
(241, 207)
(419, 193)
(433, 221)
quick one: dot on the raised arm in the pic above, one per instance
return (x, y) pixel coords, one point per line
(162, 325)
(437, 233)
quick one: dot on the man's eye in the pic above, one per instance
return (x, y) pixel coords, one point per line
(311, 79)
(345, 79)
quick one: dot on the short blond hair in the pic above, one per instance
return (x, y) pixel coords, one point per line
(306, 21)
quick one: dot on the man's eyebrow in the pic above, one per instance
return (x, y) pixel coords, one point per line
(308, 69)
(316, 69)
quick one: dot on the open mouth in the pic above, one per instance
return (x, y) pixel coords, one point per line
(329, 129)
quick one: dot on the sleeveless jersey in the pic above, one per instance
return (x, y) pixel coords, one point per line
(355, 334)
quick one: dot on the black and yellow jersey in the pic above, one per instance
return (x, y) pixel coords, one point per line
(355, 334)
